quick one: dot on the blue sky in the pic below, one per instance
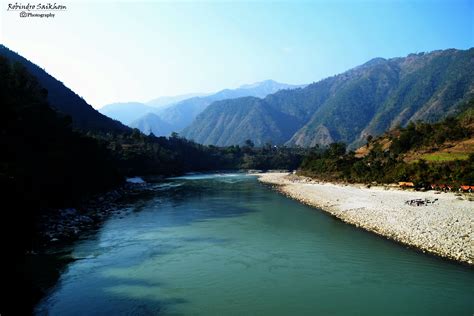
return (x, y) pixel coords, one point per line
(110, 51)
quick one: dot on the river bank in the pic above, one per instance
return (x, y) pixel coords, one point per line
(65, 225)
(56, 230)
(443, 228)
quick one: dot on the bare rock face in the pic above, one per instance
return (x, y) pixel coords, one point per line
(309, 137)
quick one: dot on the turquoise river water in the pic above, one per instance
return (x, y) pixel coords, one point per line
(224, 244)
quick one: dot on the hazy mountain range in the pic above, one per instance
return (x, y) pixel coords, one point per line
(127, 112)
(366, 100)
(153, 123)
(162, 102)
(165, 115)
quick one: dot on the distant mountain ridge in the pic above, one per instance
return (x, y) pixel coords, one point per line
(152, 123)
(177, 116)
(127, 112)
(366, 100)
(63, 99)
(183, 113)
(162, 102)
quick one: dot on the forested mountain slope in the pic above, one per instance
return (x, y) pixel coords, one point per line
(367, 100)
(65, 100)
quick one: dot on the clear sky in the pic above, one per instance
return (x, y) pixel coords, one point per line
(109, 51)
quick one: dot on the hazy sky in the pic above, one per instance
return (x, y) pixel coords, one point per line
(108, 51)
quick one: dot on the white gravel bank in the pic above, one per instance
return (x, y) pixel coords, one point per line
(444, 228)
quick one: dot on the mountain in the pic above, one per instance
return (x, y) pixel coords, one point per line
(163, 102)
(250, 116)
(152, 123)
(258, 89)
(423, 153)
(183, 113)
(127, 112)
(65, 100)
(367, 100)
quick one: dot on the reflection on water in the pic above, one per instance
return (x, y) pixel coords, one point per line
(225, 244)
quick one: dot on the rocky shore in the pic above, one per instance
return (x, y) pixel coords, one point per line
(443, 227)
(63, 225)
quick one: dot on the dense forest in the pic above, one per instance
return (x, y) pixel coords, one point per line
(423, 153)
(138, 154)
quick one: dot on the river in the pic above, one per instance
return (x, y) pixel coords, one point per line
(225, 244)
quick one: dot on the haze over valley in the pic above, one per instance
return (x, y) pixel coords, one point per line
(180, 112)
